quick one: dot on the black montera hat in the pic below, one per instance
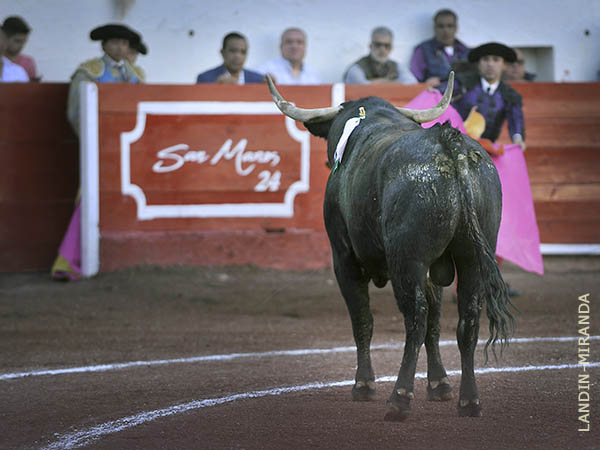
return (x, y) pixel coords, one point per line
(493, 48)
(137, 44)
(114, 31)
(140, 47)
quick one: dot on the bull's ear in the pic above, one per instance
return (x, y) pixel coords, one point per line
(320, 129)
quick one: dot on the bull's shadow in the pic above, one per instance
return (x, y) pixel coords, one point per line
(414, 206)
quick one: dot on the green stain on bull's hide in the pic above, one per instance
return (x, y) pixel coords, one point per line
(475, 156)
(444, 164)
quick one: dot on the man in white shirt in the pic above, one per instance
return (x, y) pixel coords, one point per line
(290, 67)
(9, 71)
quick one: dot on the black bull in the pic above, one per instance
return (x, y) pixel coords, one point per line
(414, 206)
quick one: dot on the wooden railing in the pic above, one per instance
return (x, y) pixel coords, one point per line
(39, 157)
(563, 158)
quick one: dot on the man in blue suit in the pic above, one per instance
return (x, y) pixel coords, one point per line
(234, 52)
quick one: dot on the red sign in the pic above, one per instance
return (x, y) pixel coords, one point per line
(214, 159)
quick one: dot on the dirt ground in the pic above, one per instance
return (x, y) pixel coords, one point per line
(154, 316)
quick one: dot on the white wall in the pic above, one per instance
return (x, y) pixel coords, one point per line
(338, 31)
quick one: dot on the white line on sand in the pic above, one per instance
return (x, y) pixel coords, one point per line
(84, 437)
(231, 356)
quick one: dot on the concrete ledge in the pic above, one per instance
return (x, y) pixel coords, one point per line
(563, 264)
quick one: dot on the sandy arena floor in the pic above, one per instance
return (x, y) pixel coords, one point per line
(206, 358)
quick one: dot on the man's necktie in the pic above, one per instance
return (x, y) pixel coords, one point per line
(123, 72)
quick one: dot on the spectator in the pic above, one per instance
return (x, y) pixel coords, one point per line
(495, 100)
(234, 52)
(9, 71)
(433, 59)
(17, 31)
(135, 49)
(376, 67)
(516, 71)
(112, 67)
(290, 68)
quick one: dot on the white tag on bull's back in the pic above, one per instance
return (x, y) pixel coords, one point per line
(351, 124)
(349, 127)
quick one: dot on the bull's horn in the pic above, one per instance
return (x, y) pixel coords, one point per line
(301, 114)
(427, 115)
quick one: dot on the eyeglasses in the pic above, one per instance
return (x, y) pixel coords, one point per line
(385, 45)
(441, 26)
(520, 62)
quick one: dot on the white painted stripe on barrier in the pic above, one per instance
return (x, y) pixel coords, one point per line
(89, 170)
(570, 249)
(232, 356)
(82, 438)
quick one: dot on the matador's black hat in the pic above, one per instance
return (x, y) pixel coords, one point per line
(114, 31)
(140, 47)
(492, 48)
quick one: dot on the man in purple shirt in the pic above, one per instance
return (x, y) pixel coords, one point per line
(432, 60)
(484, 89)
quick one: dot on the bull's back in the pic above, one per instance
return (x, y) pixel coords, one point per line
(397, 192)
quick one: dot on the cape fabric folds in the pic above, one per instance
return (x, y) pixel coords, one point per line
(67, 265)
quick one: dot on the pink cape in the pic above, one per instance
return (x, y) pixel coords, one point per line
(519, 236)
(70, 248)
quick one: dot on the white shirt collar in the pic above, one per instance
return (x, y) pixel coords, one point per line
(241, 78)
(290, 69)
(487, 85)
(449, 50)
(112, 62)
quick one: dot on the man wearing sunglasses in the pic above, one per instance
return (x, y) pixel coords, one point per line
(376, 67)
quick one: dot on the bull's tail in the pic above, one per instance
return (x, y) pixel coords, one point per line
(493, 289)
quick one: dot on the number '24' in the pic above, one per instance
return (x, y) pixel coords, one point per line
(268, 181)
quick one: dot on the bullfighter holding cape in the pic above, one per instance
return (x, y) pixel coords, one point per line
(518, 237)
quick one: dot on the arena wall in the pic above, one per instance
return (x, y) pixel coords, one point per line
(184, 36)
(273, 212)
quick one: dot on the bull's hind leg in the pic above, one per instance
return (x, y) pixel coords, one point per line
(467, 333)
(438, 387)
(409, 290)
(354, 286)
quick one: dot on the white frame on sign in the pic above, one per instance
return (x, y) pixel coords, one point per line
(234, 210)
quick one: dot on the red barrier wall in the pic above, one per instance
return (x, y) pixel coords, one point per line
(297, 242)
(39, 154)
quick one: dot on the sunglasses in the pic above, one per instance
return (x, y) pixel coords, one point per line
(382, 44)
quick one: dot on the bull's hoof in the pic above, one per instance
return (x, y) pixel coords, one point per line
(398, 406)
(469, 408)
(439, 391)
(363, 391)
